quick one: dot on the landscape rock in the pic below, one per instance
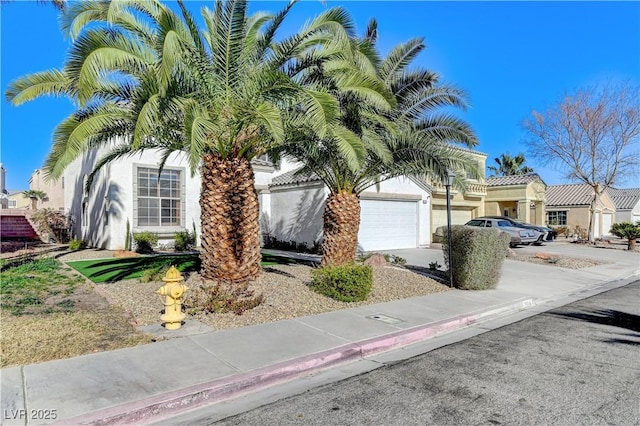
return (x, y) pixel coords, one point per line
(376, 260)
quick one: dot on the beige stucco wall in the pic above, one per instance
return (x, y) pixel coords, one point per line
(517, 200)
(53, 189)
(21, 201)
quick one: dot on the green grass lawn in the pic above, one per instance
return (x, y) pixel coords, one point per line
(107, 270)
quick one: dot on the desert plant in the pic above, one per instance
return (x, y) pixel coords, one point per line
(434, 266)
(127, 237)
(477, 256)
(627, 230)
(184, 240)
(145, 241)
(564, 230)
(76, 244)
(580, 232)
(348, 283)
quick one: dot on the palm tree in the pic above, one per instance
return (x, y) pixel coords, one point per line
(34, 195)
(407, 137)
(510, 166)
(149, 78)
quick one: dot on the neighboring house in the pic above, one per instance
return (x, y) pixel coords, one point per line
(4, 202)
(520, 197)
(54, 190)
(568, 205)
(17, 200)
(627, 203)
(464, 206)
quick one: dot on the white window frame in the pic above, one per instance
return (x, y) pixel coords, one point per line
(160, 229)
(557, 217)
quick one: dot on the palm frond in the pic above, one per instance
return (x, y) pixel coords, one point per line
(32, 86)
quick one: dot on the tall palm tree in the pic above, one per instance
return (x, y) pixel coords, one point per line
(406, 137)
(510, 166)
(151, 79)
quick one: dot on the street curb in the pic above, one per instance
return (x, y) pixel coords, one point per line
(170, 404)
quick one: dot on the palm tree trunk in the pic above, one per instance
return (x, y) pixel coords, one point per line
(229, 216)
(341, 224)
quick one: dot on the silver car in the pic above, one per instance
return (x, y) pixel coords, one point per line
(518, 235)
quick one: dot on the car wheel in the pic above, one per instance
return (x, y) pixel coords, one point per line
(537, 243)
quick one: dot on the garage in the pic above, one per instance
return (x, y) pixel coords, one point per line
(459, 216)
(388, 225)
(607, 222)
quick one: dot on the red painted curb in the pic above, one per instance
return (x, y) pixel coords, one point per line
(172, 403)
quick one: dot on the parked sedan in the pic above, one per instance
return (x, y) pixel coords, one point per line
(547, 234)
(518, 235)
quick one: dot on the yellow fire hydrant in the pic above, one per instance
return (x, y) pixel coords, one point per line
(173, 291)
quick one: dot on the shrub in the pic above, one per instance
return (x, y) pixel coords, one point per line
(53, 222)
(477, 255)
(347, 283)
(627, 230)
(145, 241)
(184, 240)
(76, 244)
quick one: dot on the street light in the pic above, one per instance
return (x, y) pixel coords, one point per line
(450, 176)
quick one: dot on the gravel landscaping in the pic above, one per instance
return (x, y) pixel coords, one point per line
(286, 290)
(286, 295)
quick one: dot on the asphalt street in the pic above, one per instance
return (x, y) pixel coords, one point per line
(578, 364)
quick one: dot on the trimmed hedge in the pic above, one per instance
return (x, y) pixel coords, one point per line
(145, 241)
(477, 255)
(347, 283)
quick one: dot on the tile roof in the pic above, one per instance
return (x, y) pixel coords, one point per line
(624, 199)
(261, 162)
(293, 177)
(514, 180)
(569, 195)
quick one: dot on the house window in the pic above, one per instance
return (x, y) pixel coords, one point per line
(13, 204)
(159, 197)
(558, 218)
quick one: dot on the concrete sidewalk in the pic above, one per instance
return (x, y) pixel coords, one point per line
(153, 382)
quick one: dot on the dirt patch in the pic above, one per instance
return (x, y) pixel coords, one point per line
(52, 313)
(560, 261)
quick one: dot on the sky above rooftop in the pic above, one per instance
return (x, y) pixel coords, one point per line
(510, 57)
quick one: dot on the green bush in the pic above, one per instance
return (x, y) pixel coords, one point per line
(184, 240)
(76, 244)
(477, 255)
(347, 283)
(145, 241)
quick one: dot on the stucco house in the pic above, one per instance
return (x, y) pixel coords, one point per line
(54, 190)
(521, 197)
(17, 200)
(568, 205)
(464, 206)
(395, 214)
(627, 203)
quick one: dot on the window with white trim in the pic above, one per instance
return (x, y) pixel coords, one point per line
(159, 197)
(557, 218)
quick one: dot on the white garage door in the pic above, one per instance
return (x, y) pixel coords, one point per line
(607, 221)
(458, 216)
(387, 225)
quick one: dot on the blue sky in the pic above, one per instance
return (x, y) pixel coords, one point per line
(510, 57)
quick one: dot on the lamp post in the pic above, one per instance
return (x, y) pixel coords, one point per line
(450, 176)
